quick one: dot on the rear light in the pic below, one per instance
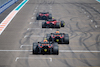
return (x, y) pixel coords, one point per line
(40, 45)
(40, 14)
(52, 36)
(46, 14)
(50, 45)
(62, 36)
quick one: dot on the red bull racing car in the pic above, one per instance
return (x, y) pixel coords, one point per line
(53, 23)
(58, 37)
(43, 16)
(45, 48)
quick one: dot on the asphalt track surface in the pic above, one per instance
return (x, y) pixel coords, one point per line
(82, 23)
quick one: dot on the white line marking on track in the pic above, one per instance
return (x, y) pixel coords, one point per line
(91, 20)
(32, 17)
(25, 36)
(36, 58)
(14, 50)
(38, 28)
(16, 58)
(30, 23)
(11, 15)
(96, 26)
(33, 28)
(28, 28)
(78, 51)
(59, 51)
(24, 45)
(50, 28)
(50, 59)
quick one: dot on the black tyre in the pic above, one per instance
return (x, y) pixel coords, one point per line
(66, 39)
(37, 18)
(50, 16)
(55, 49)
(35, 50)
(62, 23)
(58, 25)
(48, 37)
(43, 25)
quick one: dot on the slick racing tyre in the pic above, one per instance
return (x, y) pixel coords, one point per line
(35, 50)
(66, 39)
(55, 49)
(37, 18)
(50, 16)
(48, 37)
(58, 25)
(43, 25)
(62, 23)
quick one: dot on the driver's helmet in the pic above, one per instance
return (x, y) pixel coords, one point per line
(57, 31)
(52, 17)
(45, 40)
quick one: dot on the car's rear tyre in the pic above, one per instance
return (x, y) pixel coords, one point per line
(50, 16)
(56, 49)
(43, 25)
(66, 39)
(37, 18)
(58, 25)
(48, 37)
(35, 50)
(62, 23)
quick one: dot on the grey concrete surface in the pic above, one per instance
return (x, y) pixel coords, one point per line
(80, 18)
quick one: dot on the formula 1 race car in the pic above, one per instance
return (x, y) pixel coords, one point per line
(45, 48)
(53, 23)
(58, 37)
(43, 16)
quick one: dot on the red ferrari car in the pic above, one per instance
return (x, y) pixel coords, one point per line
(53, 23)
(43, 16)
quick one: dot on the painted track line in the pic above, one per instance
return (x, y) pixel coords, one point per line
(35, 58)
(11, 15)
(76, 51)
(38, 29)
(24, 45)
